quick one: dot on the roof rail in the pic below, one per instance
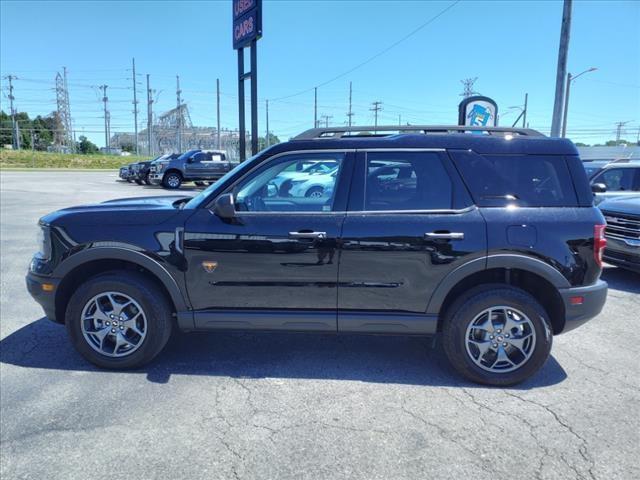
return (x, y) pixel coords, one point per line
(387, 130)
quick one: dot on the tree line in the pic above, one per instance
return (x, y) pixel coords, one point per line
(40, 133)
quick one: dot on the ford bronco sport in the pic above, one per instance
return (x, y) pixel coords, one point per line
(486, 235)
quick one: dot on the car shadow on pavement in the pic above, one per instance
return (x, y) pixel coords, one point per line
(366, 358)
(621, 279)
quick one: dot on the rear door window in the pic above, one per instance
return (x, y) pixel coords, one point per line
(524, 180)
(407, 181)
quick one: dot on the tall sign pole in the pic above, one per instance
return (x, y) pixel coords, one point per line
(247, 30)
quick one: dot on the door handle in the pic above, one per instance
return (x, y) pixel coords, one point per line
(308, 235)
(445, 235)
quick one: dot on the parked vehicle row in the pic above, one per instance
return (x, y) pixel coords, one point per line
(172, 170)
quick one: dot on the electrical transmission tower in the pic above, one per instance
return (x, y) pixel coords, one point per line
(377, 106)
(65, 137)
(468, 87)
(179, 118)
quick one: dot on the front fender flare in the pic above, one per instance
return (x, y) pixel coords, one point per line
(128, 255)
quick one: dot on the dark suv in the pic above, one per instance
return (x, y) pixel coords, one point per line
(487, 235)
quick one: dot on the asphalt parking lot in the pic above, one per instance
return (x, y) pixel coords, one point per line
(298, 406)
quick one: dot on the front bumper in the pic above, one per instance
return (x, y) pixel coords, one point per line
(593, 300)
(46, 299)
(155, 178)
(623, 253)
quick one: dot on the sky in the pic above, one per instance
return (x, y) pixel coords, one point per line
(511, 46)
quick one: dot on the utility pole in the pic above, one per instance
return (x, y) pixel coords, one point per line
(149, 119)
(619, 126)
(524, 115)
(179, 111)
(315, 107)
(135, 106)
(563, 52)
(350, 114)
(375, 109)
(267, 110)
(326, 119)
(105, 99)
(218, 110)
(15, 140)
(399, 120)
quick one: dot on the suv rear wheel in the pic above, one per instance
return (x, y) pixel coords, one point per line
(172, 180)
(497, 335)
(117, 320)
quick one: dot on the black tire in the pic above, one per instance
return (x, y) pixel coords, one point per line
(314, 191)
(139, 182)
(146, 179)
(156, 308)
(466, 308)
(172, 180)
(199, 184)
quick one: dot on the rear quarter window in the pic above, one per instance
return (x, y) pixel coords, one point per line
(524, 180)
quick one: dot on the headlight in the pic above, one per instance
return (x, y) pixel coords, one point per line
(44, 242)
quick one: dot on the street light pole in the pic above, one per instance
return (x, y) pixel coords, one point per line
(570, 79)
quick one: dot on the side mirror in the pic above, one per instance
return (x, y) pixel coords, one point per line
(598, 188)
(190, 160)
(225, 206)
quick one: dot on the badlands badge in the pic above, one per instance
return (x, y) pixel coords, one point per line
(209, 265)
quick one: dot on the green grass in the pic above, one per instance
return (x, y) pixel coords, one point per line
(26, 159)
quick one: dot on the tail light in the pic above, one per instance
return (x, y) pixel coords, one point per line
(599, 242)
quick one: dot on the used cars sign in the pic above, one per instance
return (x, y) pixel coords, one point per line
(247, 22)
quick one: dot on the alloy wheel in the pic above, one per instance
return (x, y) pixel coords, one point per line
(500, 339)
(114, 324)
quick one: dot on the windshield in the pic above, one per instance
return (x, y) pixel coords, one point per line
(218, 185)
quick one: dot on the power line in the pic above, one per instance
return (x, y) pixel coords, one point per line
(380, 53)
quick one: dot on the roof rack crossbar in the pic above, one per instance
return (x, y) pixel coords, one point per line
(386, 130)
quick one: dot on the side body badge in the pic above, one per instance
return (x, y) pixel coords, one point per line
(209, 265)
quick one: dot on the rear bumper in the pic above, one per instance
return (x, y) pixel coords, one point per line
(46, 299)
(593, 300)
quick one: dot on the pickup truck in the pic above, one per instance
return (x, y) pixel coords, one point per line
(193, 165)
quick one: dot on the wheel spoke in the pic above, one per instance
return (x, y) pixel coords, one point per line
(509, 322)
(487, 325)
(519, 342)
(502, 357)
(131, 324)
(100, 335)
(483, 346)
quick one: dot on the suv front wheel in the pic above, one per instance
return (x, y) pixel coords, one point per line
(497, 335)
(118, 320)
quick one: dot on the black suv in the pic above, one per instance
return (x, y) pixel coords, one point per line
(487, 235)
